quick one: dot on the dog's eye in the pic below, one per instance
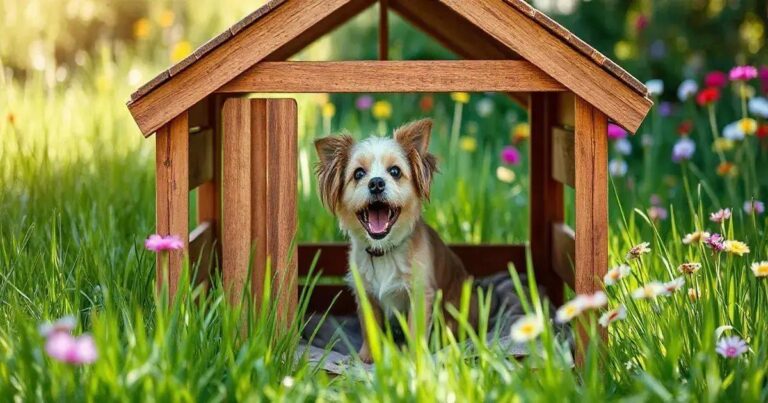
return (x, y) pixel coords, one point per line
(359, 173)
(395, 171)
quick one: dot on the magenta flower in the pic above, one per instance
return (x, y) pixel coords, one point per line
(731, 347)
(754, 207)
(364, 102)
(64, 325)
(64, 347)
(657, 213)
(159, 243)
(615, 132)
(715, 242)
(742, 73)
(716, 79)
(510, 155)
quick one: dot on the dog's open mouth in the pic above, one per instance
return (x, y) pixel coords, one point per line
(378, 218)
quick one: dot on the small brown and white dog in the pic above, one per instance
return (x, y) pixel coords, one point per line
(376, 188)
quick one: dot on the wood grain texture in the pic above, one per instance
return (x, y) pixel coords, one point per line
(200, 158)
(275, 193)
(479, 260)
(563, 160)
(236, 188)
(209, 193)
(563, 252)
(577, 72)
(566, 115)
(451, 30)
(202, 241)
(393, 76)
(172, 197)
(200, 115)
(591, 205)
(229, 59)
(546, 194)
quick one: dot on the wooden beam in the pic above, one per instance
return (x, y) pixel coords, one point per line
(235, 238)
(383, 29)
(200, 115)
(546, 194)
(393, 76)
(200, 158)
(591, 255)
(579, 73)
(274, 199)
(563, 162)
(242, 50)
(563, 252)
(202, 241)
(209, 193)
(172, 197)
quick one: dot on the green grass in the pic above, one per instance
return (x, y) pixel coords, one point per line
(76, 203)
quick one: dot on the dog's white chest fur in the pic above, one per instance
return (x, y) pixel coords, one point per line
(386, 278)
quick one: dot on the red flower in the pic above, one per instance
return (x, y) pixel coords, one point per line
(762, 131)
(716, 79)
(641, 22)
(685, 127)
(426, 103)
(707, 96)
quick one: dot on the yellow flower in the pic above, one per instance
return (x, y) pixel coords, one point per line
(696, 237)
(468, 144)
(329, 110)
(180, 51)
(748, 125)
(166, 18)
(142, 28)
(381, 110)
(527, 328)
(623, 50)
(736, 247)
(505, 174)
(521, 132)
(760, 269)
(723, 144)
(460, 97)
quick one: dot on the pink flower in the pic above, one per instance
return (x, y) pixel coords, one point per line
(742, 73)
(615, 132)
(715, 241)
(716, 79)
(510, 155)
(364, 102)
(731, 347)
(64, 347)
(754, 207)
(720, 215)
(657, 213)
(159, 243)
(641, 22)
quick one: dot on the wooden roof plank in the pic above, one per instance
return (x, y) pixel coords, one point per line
(269, 32)
(553, 54)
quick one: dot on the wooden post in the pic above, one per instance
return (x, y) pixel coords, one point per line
(383, 29)
(546, 194)
(236, 188)
(172, 196)
(591, 149)
(274, 186)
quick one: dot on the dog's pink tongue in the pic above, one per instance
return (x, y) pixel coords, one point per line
(377, 220)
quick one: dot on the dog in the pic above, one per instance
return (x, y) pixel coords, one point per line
(376, 189)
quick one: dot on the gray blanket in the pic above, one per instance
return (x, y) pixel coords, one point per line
(336, 337)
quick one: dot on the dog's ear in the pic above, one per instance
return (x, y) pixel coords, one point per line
(333, 155)
(414, 138)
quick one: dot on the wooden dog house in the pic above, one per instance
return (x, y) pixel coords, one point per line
(240, 154)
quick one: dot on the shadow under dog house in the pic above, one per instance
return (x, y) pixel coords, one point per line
(240, 154)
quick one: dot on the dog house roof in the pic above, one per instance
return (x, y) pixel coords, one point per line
(476, 29)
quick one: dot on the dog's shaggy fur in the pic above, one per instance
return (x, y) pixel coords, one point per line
(376, 188)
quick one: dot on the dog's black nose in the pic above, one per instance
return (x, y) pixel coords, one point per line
(376, 185)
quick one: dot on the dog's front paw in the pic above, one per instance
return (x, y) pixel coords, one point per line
(365, 355)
